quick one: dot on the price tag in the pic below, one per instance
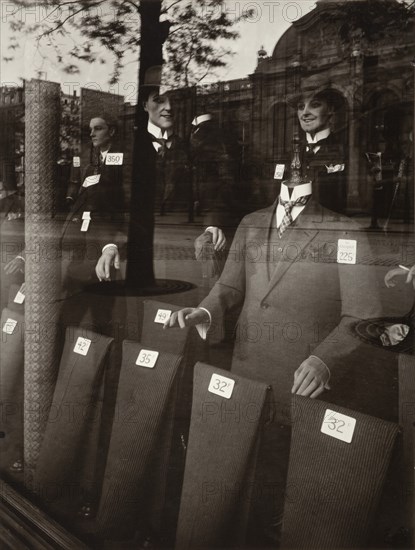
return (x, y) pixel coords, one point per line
(338, 425)
(9, 326)
(114, 159)
(279, 171)
(82, 345)
(76, 161)
(220, 385)
(346, 251)
(162, 316)
(147, 358)
(86, 216)
(19, 298)
(91, 180)
(85, 225)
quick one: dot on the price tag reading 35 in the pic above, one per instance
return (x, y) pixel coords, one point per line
(220, 385)
(162, 316)
(346, 251)
(338, 425)
(82, 345)
(147, 358)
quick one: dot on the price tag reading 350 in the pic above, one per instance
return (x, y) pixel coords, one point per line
(114, 159)
(147, 358)
(338, 425)
(220, 385)
(162, 316)
(346, 251)
(82, 345)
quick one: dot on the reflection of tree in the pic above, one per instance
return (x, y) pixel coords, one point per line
(119, 27)
(113, 26)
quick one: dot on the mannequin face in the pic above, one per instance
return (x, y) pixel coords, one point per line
(159, 110)
(101, 134)
(314, 114)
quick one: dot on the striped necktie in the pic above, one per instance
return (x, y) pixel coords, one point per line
(288, 206)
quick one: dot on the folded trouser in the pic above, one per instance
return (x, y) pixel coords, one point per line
(11, 387)
(137, 438)
(334, 486)
(223, 441)
(73, 409)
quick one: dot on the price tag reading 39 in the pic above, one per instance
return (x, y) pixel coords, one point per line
(147, 358)
(338, 425)
(9, 326)
(346, 251)
(162, 316)
(220, 385)
(82, 345)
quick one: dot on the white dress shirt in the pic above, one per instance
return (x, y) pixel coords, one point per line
(318, 136)
(158, 133)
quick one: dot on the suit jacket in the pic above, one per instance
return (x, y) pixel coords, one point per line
(105, 203)
(329, 187)
(296, 299)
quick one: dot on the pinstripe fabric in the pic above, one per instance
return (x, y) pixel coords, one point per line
(11, 389)
(72, 410)
(222, 441)
(142, 397)
(407, 421)
(168, 469)
(333, 487)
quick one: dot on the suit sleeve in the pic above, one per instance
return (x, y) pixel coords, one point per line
(359, 291)
(108, 227)
(229, 291)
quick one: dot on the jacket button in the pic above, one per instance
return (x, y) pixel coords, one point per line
(280, 249)
(264, 305)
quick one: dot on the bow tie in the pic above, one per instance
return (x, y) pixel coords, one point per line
(313, 147)
(165, 144)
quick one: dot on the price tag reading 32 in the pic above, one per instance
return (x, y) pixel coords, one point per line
(346, 251)
(162, 315)
(338, 425)
(220, 385)
(82, 345)
(147, 358)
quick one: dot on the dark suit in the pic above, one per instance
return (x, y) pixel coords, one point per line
(212, 175)
(105, 203)
(329, 187)
(81, 249)
(173, 176)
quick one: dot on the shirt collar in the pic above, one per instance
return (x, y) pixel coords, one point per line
(202, 118)
(298, 191)
(157, 132)
(104, 154)
(322, 134)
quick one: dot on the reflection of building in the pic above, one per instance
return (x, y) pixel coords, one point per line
(373, 77)
(11, 137)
